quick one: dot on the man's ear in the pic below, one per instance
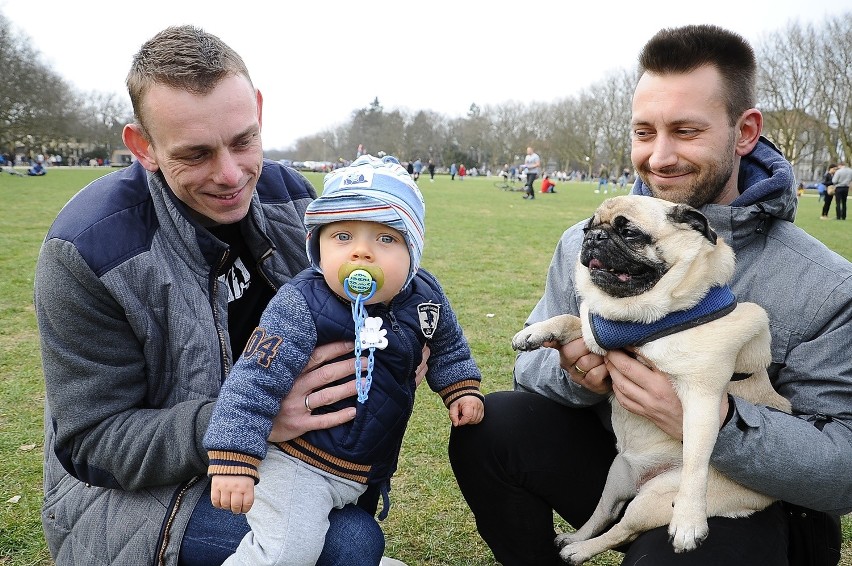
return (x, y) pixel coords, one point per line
(749, 127)
(259, 108)
(138, 144)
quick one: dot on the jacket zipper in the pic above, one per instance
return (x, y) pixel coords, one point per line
(226, 363)
(161, 552)
(226, 366)
(262, 273)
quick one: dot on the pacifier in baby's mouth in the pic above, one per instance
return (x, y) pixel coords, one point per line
(362, 280)
(360, 283)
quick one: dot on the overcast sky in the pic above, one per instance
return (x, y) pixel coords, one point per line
(317, 61)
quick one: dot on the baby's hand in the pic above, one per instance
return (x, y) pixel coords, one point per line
(466, 410)
(232, 493)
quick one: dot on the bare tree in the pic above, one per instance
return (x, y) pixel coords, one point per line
(365, 127)
(318, 147)
(508, 143)
(615, 96)
(837, 58)
(472, 135)
(423, 134)
(787, 73)
(805, 92)
(102, 117)
(34, 100)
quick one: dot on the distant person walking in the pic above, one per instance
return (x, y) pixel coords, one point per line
(431, 168)
(625, 177)
(603, 179)
(453, 171)
(841, 179)
(828, 181)
(532, 166)
(462, 172)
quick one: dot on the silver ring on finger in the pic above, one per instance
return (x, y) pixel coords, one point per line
(308, 403)
(576, 368)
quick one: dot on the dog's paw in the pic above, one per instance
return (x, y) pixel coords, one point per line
(531, 338)
(564, 540)
(687, 536)
(575, 553)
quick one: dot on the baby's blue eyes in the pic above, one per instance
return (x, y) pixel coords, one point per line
(345, 237)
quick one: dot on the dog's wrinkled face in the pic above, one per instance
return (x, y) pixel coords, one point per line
(632, 242)
(620, 256)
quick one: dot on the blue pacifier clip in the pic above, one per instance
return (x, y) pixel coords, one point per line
(358, 282)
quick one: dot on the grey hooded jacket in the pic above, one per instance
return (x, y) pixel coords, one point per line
(807, 290)
(133, 325)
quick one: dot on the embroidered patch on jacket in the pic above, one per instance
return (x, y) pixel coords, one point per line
(265, 347)
(428, 314)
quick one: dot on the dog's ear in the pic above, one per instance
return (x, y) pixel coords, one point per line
(683, 214)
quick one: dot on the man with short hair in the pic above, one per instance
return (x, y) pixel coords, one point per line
(148, 285)
(532, 166)
(547, 446)
(841, 179)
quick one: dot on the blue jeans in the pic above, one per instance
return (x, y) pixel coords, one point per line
(213, 534)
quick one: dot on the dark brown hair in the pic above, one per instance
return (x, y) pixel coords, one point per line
(684, 49)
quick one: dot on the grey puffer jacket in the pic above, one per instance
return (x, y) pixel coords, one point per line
(807, 291)
(134, 339)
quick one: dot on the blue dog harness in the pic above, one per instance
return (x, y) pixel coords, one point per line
(614, 334)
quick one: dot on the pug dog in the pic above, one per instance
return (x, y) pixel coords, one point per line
(652, 276)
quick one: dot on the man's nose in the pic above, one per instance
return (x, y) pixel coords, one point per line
(663, 153)
(228, 171)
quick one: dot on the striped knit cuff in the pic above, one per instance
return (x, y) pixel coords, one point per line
(460, 389)
(225, 463)
(318, 458)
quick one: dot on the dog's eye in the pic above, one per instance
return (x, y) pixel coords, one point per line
(634, 238)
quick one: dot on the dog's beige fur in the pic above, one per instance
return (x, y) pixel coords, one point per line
(661, 480)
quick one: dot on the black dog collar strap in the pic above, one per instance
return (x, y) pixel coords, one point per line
(614, 334)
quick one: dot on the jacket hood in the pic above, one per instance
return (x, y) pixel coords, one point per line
(765, 176)
(767, 193)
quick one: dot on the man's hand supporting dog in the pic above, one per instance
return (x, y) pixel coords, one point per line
(649, 393)
(641, 390)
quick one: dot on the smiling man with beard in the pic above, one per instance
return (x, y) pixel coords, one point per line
(690, 158)
(546, 446)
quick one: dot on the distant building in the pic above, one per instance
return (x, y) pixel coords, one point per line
(121, 158)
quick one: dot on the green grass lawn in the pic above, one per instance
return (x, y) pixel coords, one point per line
(489, 248)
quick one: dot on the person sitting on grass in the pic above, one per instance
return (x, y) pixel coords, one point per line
(36, 170)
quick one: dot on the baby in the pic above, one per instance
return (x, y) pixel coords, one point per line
(365, 240)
